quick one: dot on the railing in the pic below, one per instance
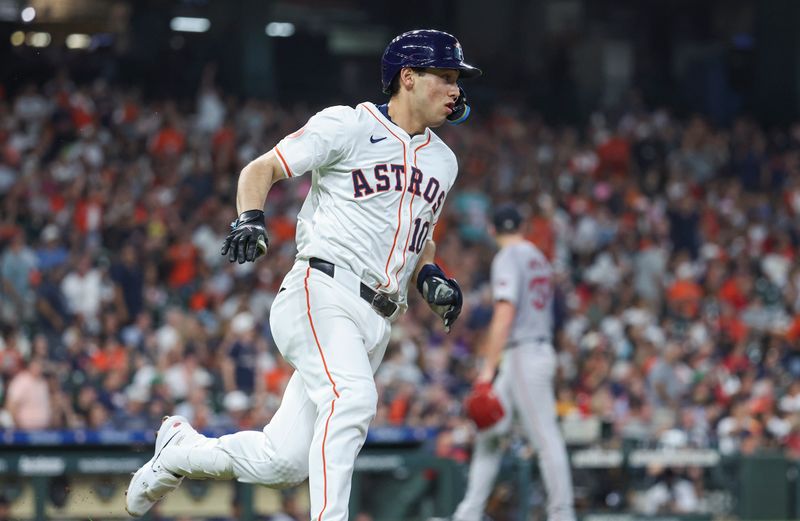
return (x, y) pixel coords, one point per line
(73, 475)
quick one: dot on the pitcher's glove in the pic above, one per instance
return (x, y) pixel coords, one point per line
(483, 406)
(248, 238)
(443, 295)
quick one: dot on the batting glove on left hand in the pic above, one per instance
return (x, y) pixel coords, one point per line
(248, 238)
(443, 295)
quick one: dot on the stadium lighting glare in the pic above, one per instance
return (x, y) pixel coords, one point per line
(39, 39)
(78, 41)
(279, 29)
(17, 38)
(28, 14)
(187, 24)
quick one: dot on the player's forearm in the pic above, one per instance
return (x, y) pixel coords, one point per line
(255, 181)
(496, 339)
(254, 185)
(492, 349)
(428, 256)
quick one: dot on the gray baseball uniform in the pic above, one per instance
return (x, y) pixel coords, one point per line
(522, 275)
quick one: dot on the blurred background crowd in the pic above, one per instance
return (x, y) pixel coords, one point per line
(674, 240)
(653, 147)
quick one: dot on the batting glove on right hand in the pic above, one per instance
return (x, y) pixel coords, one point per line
(443, 295)
(248, 238)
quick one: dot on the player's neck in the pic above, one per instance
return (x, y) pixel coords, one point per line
(401, 115)
(507, 239)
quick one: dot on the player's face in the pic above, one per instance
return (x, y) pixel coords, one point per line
(437, 92)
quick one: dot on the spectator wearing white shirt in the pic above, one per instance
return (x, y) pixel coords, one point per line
(83, 290)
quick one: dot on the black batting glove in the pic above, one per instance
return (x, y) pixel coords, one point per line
(443, 295)
(248, 238)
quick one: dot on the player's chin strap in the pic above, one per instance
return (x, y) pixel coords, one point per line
(461, 110)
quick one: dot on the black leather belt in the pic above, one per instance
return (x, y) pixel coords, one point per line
(378, 301)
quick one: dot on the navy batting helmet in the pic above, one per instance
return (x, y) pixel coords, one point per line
(425, 48)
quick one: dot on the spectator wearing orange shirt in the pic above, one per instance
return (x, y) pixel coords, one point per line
(684, 295)
(736, 290)
(183, 257)
(398, 409)
(111, 356)
(275, 379)
(169, 141)
(614, 155)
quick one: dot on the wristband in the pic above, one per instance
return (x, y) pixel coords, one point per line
(429, 270)
(248, 216)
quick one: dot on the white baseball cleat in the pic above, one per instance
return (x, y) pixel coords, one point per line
(152, 481)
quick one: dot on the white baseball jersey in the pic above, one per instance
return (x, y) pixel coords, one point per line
(522, 275)
(375, 197)
(376, 192)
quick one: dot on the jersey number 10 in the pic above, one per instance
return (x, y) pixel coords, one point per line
(418, 239)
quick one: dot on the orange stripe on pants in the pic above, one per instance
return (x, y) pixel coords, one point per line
(333, 402)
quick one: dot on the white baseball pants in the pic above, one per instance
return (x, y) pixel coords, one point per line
(524, 385)
(335, 341)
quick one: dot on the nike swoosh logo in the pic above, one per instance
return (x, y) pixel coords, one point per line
(373, 140)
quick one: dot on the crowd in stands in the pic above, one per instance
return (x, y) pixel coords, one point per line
(675, 244)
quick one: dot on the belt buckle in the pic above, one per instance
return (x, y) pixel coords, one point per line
(379, 304)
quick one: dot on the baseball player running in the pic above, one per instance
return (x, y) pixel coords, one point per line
(379, 179)
(520, 331)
